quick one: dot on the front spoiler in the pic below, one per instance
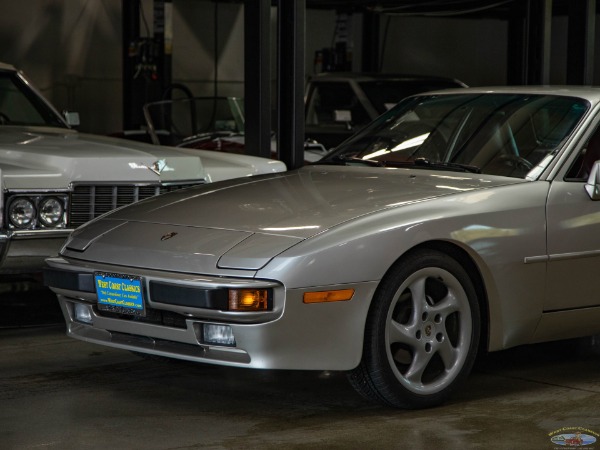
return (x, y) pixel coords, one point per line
(305, 337)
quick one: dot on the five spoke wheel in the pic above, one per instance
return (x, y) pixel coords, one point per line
(422, 332)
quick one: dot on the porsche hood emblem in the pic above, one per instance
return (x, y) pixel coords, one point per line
(164, 237)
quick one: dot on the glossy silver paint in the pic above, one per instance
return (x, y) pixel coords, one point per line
(533, 246)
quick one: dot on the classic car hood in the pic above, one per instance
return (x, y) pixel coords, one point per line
(61, 156)
(242, 224)
(221, 166)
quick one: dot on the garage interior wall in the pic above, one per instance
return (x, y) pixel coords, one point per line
(72, 49)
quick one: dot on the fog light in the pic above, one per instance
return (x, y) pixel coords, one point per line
(218, 334)
(82, 313)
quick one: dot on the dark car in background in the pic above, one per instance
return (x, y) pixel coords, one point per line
(339, 104)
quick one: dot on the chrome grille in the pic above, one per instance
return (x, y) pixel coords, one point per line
(91, 201)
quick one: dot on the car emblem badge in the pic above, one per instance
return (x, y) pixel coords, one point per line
(168, 236)
(158, 166)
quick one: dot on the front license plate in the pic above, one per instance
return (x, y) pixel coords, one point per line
(119, 293)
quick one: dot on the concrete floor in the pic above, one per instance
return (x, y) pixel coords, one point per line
(59, 393)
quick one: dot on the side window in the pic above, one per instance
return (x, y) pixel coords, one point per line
(589, 154)
(15, 107)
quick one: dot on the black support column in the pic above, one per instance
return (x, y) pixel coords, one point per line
(163, 37)
(130, 10)
(529, 42)
(146, 60)
(257, 77)
(580, 57)
(370, 42)
(290, 81)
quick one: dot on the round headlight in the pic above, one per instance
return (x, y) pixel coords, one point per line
(51, 212)
(21, 212)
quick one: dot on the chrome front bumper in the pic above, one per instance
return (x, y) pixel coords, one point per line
(26, 251)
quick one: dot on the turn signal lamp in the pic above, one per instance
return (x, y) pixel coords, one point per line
(339, 295)
(248, 300)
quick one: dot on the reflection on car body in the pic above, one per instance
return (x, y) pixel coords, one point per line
(459, 220)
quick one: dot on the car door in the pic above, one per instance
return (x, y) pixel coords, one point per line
(573, 236)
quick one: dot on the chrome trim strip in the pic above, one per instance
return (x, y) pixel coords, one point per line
(574, 255)
(40, 234)
(36, 191)
(197, 181)
(561, 256)
(535, 259)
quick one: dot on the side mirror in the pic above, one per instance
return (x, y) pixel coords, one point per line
(592, 186)
(72, 118)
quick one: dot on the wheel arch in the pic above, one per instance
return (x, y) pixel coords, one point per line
(468, 263)
(378, 380)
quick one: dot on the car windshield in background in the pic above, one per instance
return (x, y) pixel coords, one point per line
(496, 134)
(385, 94)
(19, 106)
(194, 119)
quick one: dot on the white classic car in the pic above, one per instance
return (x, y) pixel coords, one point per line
(55, 178)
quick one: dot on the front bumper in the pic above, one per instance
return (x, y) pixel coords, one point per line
(294, 335)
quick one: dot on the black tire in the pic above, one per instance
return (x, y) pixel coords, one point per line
(422, 333)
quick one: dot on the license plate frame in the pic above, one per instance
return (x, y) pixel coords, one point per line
(120, 293)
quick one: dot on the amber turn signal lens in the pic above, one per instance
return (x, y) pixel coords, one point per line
(340, 295)
(248, 300)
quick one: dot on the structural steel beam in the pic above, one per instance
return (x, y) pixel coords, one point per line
(130, 10)
(529, 42)
(580, 57)
(257, 77)
(290, 82)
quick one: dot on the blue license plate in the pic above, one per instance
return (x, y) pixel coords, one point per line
(119, 293)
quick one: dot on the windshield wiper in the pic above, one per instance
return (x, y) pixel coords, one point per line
(424, 162)
(349, 160)
(419, 162)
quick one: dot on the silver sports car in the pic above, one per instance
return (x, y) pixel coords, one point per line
(458, 221)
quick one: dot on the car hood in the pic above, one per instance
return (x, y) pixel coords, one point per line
(224, 166)
(243, 224)
(62, 156)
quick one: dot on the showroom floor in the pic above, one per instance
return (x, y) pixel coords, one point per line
(59, 393)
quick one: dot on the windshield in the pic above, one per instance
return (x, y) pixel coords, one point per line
(186, 118)
(385, 94)
(497, 134)
(20, 105)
